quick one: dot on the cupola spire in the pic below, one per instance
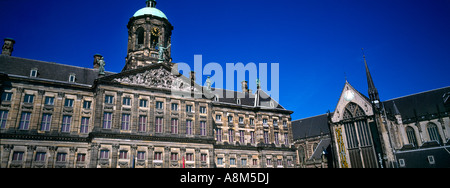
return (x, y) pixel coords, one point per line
(151, 3)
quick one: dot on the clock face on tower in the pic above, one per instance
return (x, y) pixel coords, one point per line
(349, 95)
(155, 31)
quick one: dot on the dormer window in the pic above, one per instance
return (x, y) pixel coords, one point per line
(72, 78)
(238, 101)
(34, 72)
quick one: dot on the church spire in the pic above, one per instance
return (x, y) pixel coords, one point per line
(373, 92)
(151, 3)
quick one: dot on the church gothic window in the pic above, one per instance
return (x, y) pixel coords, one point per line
(359, 137)
(411, 135)
(433, 132)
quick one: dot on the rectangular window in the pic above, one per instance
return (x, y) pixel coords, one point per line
(107, 120)
(126, 101)
(159, 125)
(33, 73)
(84, 128)
(40, 156)
(104, 154)
(18, 156)
(65, 127)
(275, 123)
(3, 118)
(87, 105)
(46, 122)
(142, 123)
(232, 161)
(174, 126)
(61, 157)
(81, 157)
(49, 101)
(266, 137)
(230, 119)
(189, 127)
(188, 108)
(6, 96)
(202, 128)
(218, 118)
(243, 162)
(72, 78)
(28, 98)
(189, 157)
(109, 99)
(242, 137)
(252, 121)
(285, 124)
(174, 107)
(141, 155)
(277, 140)
(252, 137)
(265, 122)
(255, 162)
(125, 122)
(279, 162)
(174, 156)
(202, 110)
(286, 139)
(143, 103)
(68, 103)
(219, 135)
(269, 162)
(231, 136)
(25, 121)
(159, 105)
(158, 156)
(220, 161)
(203, 157)
(123, 154)
(241, 119)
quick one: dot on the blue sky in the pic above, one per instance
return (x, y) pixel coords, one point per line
(316, 42)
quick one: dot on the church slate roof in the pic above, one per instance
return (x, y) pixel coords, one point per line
(310, 127)
(420, 106)
(15, 66)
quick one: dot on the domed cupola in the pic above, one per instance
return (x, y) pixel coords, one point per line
(149, 37)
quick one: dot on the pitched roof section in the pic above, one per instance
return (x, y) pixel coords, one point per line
(422, 105)
(246, 99)
(47, 70)
(310, 127)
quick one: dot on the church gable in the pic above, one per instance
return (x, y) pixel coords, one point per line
(352, 100)
(156, 76)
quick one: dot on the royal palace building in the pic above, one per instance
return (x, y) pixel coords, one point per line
(147, 116)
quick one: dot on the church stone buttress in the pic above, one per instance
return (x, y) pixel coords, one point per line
(148, 30)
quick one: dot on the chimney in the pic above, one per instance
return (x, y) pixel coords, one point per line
(8, 46)
(245, 86)
(97, 57)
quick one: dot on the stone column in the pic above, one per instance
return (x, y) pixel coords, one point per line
(94, 155)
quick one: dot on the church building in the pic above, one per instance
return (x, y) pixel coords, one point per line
(60, 116)
(364, 132)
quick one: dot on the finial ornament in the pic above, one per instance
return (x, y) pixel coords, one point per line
(151, 3)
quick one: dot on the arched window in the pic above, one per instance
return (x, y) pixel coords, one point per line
(410, 133)
(140, 36)
(433, 132)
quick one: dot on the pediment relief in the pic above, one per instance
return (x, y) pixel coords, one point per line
(159, 78)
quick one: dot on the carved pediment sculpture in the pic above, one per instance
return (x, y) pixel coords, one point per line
(157, 78)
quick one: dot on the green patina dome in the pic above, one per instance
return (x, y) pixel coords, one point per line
(150, 11)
